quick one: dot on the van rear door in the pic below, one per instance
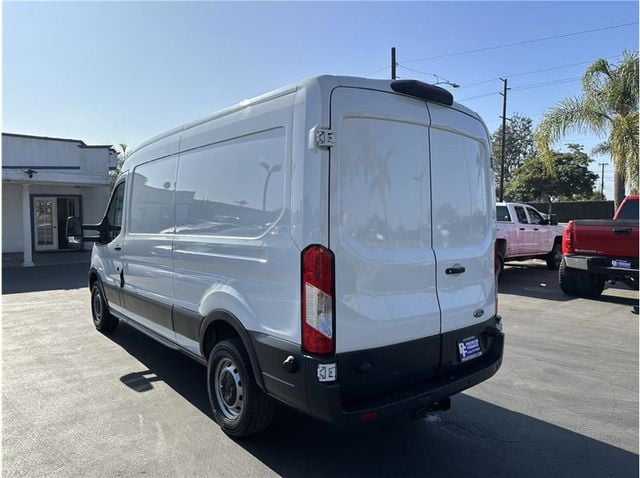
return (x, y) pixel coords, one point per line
(380, 229)
(463, 211)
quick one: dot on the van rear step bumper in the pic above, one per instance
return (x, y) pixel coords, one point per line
(403, 379)
(325, 401)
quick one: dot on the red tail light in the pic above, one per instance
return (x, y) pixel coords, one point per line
(568, 239)
(317, 300)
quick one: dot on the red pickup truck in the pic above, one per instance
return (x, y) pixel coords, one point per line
(596, 251)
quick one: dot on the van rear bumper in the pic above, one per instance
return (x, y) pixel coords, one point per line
(378, 393)
(326, 403)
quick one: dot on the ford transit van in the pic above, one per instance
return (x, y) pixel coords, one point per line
(328, 246)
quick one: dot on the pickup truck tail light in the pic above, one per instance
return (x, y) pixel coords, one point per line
(568, 239)
(318, 305)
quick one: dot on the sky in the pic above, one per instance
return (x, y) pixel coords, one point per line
(122, 72)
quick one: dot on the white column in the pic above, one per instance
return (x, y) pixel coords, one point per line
(26, 227)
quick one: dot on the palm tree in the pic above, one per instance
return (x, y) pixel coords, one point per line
(608, 107)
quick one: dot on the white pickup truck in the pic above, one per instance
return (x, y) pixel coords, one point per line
(522, 233)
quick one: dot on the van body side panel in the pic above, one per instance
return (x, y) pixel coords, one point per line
(147, 292)
(380, 223)
(233, 248)
(463, 211)
(310, 165)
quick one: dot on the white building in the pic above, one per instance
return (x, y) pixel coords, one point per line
(45, 180)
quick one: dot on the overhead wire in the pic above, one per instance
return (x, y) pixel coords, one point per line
(523, 42)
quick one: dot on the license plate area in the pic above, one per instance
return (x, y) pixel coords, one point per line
(620, 264)
(469, 348)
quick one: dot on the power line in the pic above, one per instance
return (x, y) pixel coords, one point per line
(439, 79)
(547, 83)
(524, 42)
(377, 71)
(537, 71)
(527, 87)
(479, 96)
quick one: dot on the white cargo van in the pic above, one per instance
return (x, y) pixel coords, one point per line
(329, 245)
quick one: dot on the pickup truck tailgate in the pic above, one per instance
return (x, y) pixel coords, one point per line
(614, 238)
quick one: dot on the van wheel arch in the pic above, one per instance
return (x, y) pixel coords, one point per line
(220, 325)
(93, 276)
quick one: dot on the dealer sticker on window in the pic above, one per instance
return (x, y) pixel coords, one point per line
(469, 348)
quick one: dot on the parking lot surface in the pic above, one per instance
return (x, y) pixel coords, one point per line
(80, 403)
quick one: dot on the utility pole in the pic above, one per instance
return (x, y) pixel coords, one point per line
(393, 63)
(602, 181)
(504, 133)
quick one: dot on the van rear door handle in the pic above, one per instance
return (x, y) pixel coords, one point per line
(536, 229)
(455, 270)
(622, 230)
(117, 248)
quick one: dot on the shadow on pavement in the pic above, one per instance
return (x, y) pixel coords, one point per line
(475, 438)
(533, 279)
(17, 280)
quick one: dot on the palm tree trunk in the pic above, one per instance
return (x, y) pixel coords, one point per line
(618, 187)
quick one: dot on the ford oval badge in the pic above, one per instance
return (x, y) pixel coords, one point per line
(478, 313)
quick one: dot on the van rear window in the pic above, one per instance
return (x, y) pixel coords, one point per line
(384, 183)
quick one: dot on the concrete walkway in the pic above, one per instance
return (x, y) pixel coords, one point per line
(47, 258)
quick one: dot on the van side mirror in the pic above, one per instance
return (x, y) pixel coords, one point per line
(78, 232)
(545, 222)
(74, 232)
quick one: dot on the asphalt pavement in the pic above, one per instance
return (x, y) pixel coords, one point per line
(79, 403)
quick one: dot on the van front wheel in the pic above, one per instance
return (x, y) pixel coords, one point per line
(239, 406)
(102, 318)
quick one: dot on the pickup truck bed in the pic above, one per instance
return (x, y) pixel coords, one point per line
(596, 251)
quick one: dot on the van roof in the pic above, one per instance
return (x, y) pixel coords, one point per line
(322, 80)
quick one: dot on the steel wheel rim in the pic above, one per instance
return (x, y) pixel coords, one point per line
(97, 306)
(228, 387)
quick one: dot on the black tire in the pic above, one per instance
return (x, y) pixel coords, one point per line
(567, 279)
(500, 265)
(102, 318)
(239, 406)
(590, 285)
(554, 258)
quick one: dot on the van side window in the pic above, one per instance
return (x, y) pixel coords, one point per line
(152, 197)
(502, 214)
(208, 197)
(522, 215)
(534, 216)
(114, 213)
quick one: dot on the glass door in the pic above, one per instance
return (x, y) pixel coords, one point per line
(45, 219)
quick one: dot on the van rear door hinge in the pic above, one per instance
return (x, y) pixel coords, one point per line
(325, 137)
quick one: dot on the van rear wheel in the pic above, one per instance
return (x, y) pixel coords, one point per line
(102, 318)
(239, 406)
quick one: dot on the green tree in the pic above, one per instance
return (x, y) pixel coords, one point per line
(570, 178)
(123, 153)
(519, 145)
(608, 107)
